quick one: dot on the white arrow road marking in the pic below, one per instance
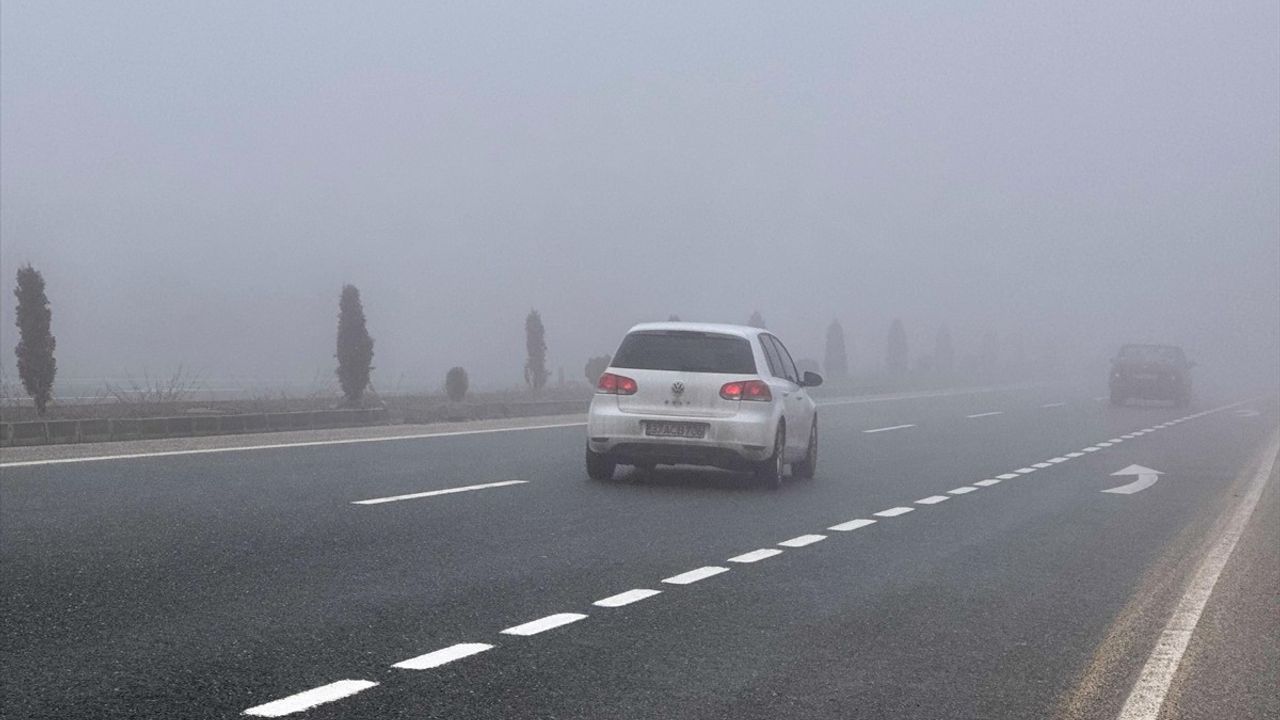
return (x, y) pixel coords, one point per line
(1146, 478)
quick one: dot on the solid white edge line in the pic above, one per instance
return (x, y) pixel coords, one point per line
(985, 414)
(693, 576)
(442, 656)
(886, 429)
(277, 446)
(1053, 405)
(932, 500)
(310, 698)
(852, 525)
(755, 555)
(989, 482)
(894, 512)
(432, 493)
(1148, 694)
(803, 540)
(550, 622)
(626, 598)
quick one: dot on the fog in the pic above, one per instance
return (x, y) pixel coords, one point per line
(197, 181)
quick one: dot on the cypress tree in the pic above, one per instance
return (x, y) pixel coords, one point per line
(896, 357)
(535, 341)
(36, 364)
(837, 359)
(355, 347)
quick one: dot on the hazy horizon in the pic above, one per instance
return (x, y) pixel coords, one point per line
(196, 183)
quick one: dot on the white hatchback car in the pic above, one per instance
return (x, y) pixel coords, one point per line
(727, 396)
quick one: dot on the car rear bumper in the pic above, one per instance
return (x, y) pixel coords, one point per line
(730, 442)
(1148, 389)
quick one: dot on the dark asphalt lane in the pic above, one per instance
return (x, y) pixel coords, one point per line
(203, 585)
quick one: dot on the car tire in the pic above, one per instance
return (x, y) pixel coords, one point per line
(599, 467)
(808, 467)
(769, 472)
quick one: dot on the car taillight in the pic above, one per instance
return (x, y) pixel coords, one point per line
(746, 390)
(611, 384)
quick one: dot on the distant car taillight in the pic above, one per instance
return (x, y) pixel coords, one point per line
(746, 390)
(611, 384)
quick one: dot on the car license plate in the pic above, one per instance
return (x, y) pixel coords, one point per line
(661, 428)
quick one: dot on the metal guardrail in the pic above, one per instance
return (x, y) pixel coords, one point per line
(45, 432)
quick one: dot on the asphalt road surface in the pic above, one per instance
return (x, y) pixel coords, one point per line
(997, 580)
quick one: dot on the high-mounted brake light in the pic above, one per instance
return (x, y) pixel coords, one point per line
(746, 390)
(611, 384)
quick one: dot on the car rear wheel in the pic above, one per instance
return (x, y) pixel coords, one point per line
(599, 467)
(769, 472)
(808, 467)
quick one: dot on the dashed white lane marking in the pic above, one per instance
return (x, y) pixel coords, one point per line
(432, 493)
(985, 414)
(693, 576)
(1053, 405)
(962, 490)
(310, 698)
(1025, 471)
(276, 446)
(1007, 476)
(852, 525)
(1116, 440)
(932, 500)
(989, 482)
(1147, 696)
(549, 622)
(893, 512)
(887, 429)
(1091, 448)
(443, 656)
(1042, 465)
(803, 540)
(1074, 455)
(755, 555)
(1130, 436)
(626, 598)
(1105, 444)
(1056, 460)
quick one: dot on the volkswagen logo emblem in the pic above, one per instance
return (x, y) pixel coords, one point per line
(677, 388)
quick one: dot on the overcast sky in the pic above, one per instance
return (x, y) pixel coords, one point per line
(197, 180)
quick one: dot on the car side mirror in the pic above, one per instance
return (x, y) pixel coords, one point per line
(810, 379)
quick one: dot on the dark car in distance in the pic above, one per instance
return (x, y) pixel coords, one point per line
(1151, 372)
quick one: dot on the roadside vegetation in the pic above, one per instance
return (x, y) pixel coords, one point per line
(183, 392)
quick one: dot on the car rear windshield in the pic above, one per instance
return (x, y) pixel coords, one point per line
(686, 351)
(1152, 353)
